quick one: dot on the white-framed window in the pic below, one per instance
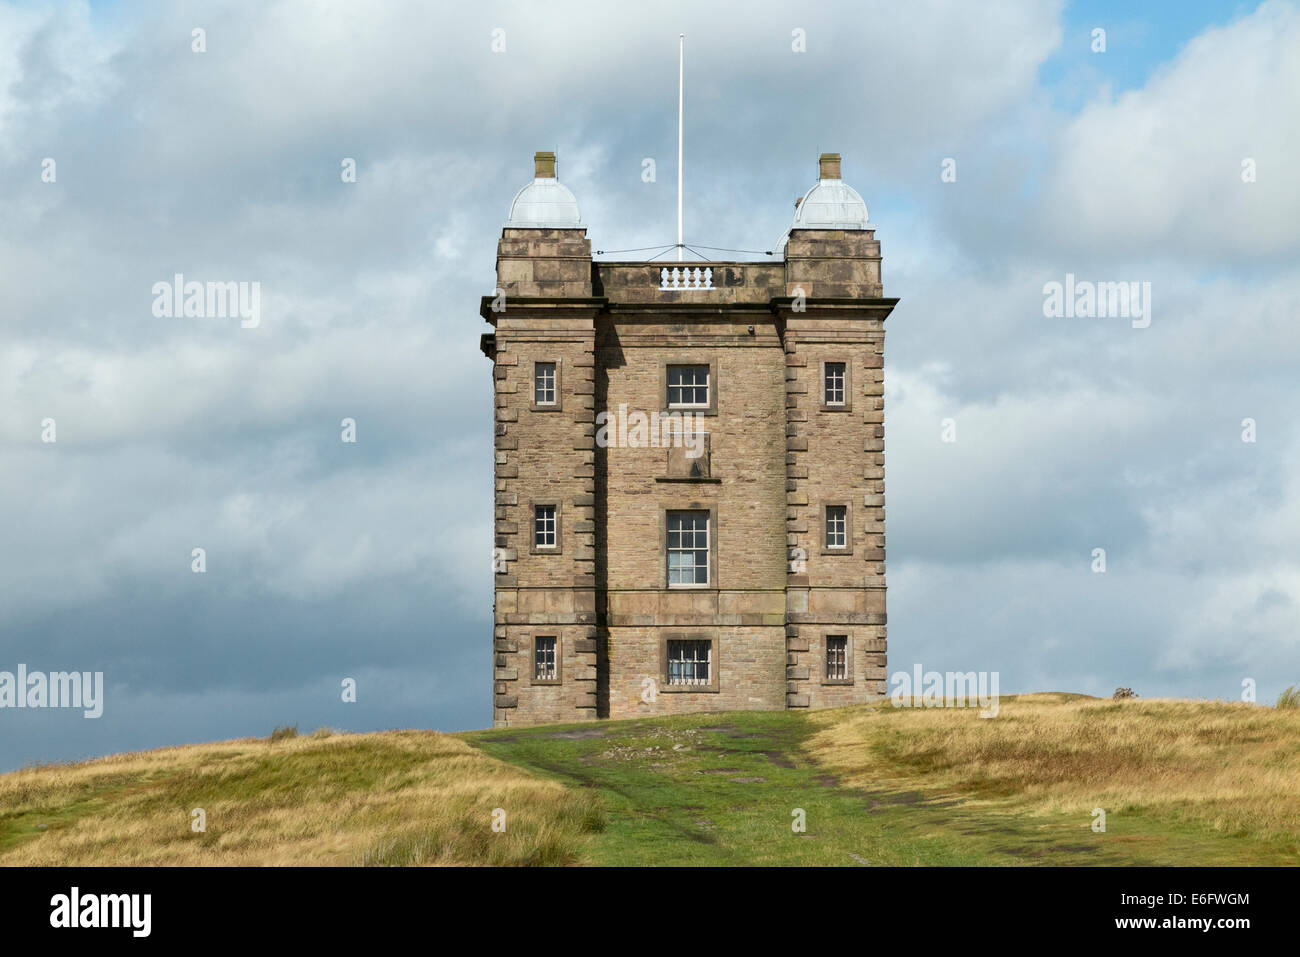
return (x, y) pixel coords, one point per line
(688, 548)
(544, 661)
(688, 387)
(689, 662)
(837, 525)
(544, 383)
(837, 657)
(544, 526)
(834, 383)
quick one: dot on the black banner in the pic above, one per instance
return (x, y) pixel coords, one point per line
(305, 905)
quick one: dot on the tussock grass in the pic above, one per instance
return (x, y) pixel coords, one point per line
(1231, 768)
(1290, 698)
(1182, 782)
(400, 797)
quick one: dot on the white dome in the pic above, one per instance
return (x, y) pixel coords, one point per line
(544, 203)
(831, 204)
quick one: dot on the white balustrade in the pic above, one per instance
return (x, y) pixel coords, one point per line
(680, 279)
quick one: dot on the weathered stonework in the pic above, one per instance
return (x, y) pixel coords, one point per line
(777, 457)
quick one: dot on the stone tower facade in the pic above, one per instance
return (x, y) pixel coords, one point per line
(690, 509)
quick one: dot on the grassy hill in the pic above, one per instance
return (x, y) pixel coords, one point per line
(1181, 782)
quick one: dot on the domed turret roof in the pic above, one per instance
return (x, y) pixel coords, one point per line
(831, 203)
(545, 202)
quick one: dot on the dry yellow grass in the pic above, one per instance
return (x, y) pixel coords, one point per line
(400, 797)
(1233, 768)
(1181, 782)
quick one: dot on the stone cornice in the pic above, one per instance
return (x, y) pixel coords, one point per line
(825, 308)
(543, 304)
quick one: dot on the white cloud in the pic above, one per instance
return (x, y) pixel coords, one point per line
(1159, 169)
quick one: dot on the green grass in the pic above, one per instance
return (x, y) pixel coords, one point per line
(720, 789)
(1182, 783)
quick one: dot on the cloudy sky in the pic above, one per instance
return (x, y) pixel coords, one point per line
(371, 560)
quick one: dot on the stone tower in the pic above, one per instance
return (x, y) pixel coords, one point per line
(689, 468)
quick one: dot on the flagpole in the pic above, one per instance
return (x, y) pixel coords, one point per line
(681, 73)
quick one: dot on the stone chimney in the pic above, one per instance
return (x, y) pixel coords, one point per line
(829, 163)
(544, 165)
